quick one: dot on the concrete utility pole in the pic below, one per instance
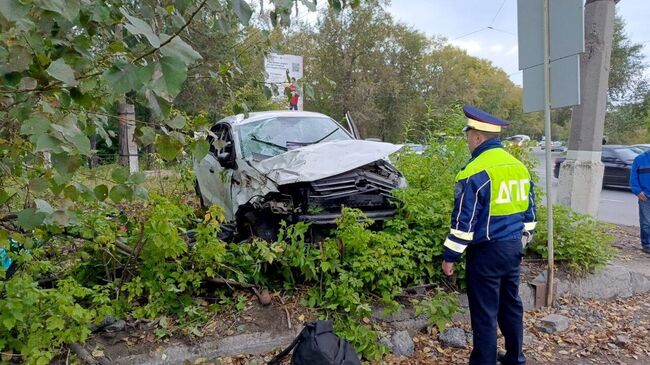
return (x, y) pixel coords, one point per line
(128, 147)
(581, 175)
(126, 117)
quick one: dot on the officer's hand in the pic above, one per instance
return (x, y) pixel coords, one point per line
(448, 268)
(642, 197)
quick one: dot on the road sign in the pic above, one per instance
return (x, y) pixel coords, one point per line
(565, 84)
(566, 30)
(566, 42)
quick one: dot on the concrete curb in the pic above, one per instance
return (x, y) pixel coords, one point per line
(256, 343)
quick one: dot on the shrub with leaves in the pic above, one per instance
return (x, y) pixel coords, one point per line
(579, 240)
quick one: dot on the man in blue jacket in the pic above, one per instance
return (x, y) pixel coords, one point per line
(640, 186)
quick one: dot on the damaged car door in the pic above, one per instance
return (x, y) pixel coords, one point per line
(214, 172)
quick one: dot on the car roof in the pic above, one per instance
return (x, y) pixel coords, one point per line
(615, 146)
(240, 119)
(641, 145)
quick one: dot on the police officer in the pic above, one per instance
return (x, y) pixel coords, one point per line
(493, 218)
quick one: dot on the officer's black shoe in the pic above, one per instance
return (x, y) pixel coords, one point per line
(501, 357)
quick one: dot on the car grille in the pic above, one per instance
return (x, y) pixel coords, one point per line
(371, 185)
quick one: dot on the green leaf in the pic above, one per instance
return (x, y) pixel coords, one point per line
(145, 136)
(64, 163)
(120, 192)
(141, 192)
(101, 14)
(128, 77)
(101, 192)
(168, 147)
(310, 4)
(243, 11)
(4, 196)
(309, 91)
(13, 10)
(55, 323)
(29, 219)
(43, 206)
(283, 5)
(177, 123)
(81, 142)
(336, 5)
(45, 142)
(138, 26)
(36, 124)
(120, 174)
(137, 178)
(84, 100)
(71, 192)
(180, 50)
(200, 149)
(169, 77)
(62, 71)
(20, 58)
(38, 185)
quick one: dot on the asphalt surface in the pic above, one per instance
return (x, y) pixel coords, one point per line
(617, 206)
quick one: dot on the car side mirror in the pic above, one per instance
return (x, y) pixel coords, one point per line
(226, 160)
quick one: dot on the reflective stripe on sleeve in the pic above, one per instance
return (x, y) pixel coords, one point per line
(456, 247)
(530, 226)
(467, 236)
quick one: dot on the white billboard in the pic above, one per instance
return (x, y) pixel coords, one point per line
(277, 66)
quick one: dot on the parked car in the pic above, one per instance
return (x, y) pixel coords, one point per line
(641, 147)
(617, 160)
(418, 149)
(293, 166)
(556, 146)
(520, 140)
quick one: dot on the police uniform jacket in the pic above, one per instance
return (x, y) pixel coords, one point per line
(494, 200)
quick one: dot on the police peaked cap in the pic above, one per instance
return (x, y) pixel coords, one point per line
(482, 121)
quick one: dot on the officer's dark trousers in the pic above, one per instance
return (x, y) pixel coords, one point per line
(493, 293)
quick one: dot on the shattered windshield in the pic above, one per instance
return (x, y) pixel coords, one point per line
(273, 136)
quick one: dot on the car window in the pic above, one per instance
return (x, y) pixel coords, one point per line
(607, 155)
(626, 154)
(273, 136)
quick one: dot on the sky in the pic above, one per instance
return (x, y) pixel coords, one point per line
(488, 28)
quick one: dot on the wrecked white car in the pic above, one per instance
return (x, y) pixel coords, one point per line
(293, 166)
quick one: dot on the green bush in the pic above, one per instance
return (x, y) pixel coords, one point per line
(579, 240)
(35, 323)
(424, 214)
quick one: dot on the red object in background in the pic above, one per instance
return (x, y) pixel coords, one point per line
(294, 96)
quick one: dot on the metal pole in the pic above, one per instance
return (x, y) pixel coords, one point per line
(549, 171)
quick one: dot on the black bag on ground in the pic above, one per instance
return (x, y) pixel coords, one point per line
(318, 345)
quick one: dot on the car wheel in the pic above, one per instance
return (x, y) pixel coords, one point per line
(254, 224)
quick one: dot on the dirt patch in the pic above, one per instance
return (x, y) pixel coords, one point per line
(141, 337)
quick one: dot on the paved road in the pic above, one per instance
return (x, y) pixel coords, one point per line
(616, 206)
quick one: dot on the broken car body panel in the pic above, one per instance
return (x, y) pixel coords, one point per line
(323, 160)
(294, 166)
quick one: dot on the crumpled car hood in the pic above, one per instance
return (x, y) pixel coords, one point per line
(318, 161)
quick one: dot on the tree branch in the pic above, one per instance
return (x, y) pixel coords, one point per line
(154, 50)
